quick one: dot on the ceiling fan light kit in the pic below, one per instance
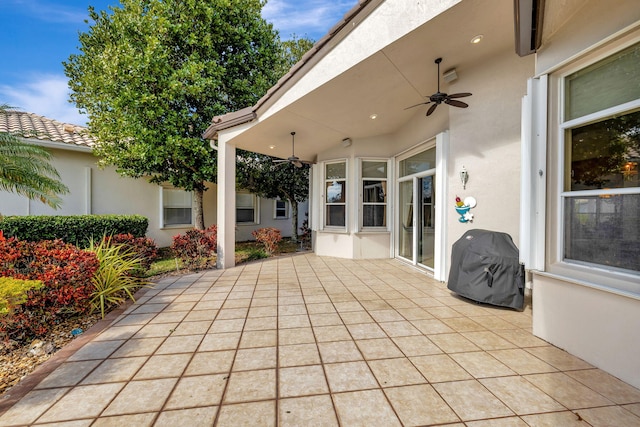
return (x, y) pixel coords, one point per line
(440, 97)
(293, 159)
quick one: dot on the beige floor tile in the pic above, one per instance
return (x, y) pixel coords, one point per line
(163, 366)
(354, 317)
(418, 405)
(395, 372)
(607, 385)
(261, 414)
(325, 319)
(439, 368)
(32, 405)
(488, 340)
(567, 391)
(227, 325)
(609, 416)
(339, 351)
(296, 336)
(349, 376)
(302, 381)
(555, 419)
(115, 370)
(253, 339)
(220, 341)
(415, 313)
(96, 350)
(187, 417)
(314, 411)
(363, 331)
(180, 306)
(213, 362)
(633, 408)
(498, 422)
(161, 330)
(481, 364)
(202, 390)
(263, 311)
(399, 329)
(294, 321)
(251, 385)
(471, 401)
(462, 324)
(180, 344)
(364, 408)
(521, 338)
(138, 347)
(193, 328)
(200, 315)
(298, 355)
(68, 374)
(374, 304)
(243, 303)
(255, 358)
(418, 345)
(379, 348)
(559, 359)
(331, 333)
(432, 326)
(292, 310)
(386, 316)
(453, 343)
(141, 396)
(134, 319)
(522, 362)
(82, 402)
(138, 420)
(519, 395)
(346, 306)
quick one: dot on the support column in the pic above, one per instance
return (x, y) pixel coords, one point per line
(226, 208)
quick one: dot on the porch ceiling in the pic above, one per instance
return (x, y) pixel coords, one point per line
(386, 83)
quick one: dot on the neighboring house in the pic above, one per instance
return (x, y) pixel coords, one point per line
(103, 191)
(546, 142)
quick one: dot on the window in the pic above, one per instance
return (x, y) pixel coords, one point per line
(335, 194)
(176, 207)
(246, 208)
(280, 209)
(600, 197)
(374, 193)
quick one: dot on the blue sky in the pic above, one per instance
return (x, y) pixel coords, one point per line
(38, 35)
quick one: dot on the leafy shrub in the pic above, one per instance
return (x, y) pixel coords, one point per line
(196, 247)
(143, 248)
(269, 237)
(66, 273)
(114, 280)
(76, 229)
(13, 292)
(305, 232)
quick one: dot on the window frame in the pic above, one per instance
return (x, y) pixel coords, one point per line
(256, 209)
(287, 209)
(162, 208)
(326, 204)
(388, 195)
(596, 275)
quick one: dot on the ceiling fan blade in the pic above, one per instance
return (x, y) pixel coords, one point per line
(297, 163)
(422, 103)
(280, 160)
(459, 95)
(456, 103)
(431, 109)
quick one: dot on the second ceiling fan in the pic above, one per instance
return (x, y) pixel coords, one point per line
(440, 97)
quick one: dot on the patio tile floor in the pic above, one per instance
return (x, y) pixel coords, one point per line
(305, 340)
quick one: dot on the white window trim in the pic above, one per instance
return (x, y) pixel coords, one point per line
(609, 279)
(161, 212)
(256, 210)
(389, 195)
(287, 208)
(332, 228)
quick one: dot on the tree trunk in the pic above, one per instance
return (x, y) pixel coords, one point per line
(198, 208)
(294, 219)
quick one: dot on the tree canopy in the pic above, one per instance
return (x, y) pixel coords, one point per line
(25, 169)
(152, 73)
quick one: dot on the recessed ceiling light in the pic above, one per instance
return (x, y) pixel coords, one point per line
(477, 39)
(373, 116)
(272, 147)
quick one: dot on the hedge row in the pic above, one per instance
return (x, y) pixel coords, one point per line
(75, 229)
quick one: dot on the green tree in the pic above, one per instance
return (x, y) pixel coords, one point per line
(25, 169)
(152, 73)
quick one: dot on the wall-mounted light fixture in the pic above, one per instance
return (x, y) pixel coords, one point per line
(464, 177)
(346, 142)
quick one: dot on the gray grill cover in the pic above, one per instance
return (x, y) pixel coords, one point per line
(485, 268)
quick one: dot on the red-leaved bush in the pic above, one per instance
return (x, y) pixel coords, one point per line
(196, 247)
(66, 272)
(144, 247)
(269, 237)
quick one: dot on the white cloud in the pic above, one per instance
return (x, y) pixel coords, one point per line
(311, 18)
(46, 95)
(49, 11)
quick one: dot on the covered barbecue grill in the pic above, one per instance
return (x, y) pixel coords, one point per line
(485, 268)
